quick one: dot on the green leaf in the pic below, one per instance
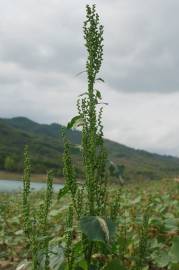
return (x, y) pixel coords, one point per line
(79, 73)
(63, 266)
(75, 122)
(24, 265)
(171, 224)
(93, 267)
(97, 229)
(98, 94)
(115, 264)
(136, 200)
(100, 79)
(62, 192)
(83, 94)
(174, 251)
(162, 259)
(82, 265)
(175, 266)
(19, 232)
(145, 268)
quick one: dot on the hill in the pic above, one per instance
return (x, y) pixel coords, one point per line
(46, 148)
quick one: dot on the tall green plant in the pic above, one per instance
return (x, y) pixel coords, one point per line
(94, 156)
(35, 221)
(93, 152)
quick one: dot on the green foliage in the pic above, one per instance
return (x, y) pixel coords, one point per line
(26, 192)
(9, 164)
(143, 240)
(92, 146)
(69, 172)
(35, 220)
(92, 149)
(115, 265)
(174, 251)
(69, 252)
(162, 239)
(97, 229)
(75, 122)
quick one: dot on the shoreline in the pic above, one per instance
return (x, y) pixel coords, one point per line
(40, 178)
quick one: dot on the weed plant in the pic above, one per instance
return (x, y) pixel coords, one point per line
(99, 225)
(159, 200)
(35, 220)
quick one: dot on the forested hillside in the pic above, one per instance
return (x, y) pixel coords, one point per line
(46, 148)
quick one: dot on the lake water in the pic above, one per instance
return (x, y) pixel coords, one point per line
(15, 186)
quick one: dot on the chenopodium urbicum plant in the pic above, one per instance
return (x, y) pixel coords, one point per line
(35, 221)
(89, 198)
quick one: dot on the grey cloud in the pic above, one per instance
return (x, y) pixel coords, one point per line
(41, 49)
(141, 41)
(144, 55)
(60, 56)
(143, 120)
(45, 41)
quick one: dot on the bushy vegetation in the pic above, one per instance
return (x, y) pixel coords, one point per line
(157, 200)
(90, 225)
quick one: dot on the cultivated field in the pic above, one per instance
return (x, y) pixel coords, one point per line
(147, 226)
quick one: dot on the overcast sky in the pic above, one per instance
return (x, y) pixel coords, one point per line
(41, 50)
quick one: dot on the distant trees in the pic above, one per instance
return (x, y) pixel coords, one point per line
(9, 163)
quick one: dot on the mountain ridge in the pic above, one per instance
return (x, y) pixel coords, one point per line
(46, 147)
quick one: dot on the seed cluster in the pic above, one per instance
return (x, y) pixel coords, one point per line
(35, 221)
